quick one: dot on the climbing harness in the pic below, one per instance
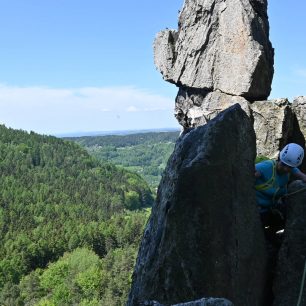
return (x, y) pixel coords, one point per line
(270, 182)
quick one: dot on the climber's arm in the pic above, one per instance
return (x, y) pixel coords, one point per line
(300, 176)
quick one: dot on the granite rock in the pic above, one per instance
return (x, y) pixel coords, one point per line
(276, 122)
(204, 236)
(194, 108)
(299, 108)
(219, 45)
(288, 285)
(275, 125)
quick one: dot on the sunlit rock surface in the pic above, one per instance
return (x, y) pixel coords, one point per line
(219, 45)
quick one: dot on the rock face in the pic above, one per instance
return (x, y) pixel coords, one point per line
(292, 255)
(204, 236)
(196, 107)
(201, 302)
(221, 55)
(276, 125)
(219, 45)
(276, 122)
(299, 108)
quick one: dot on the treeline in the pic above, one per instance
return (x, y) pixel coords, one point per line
(126, 140)
(144, 153)
(56, 199)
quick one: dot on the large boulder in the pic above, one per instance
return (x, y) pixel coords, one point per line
(219, 45)
(204, 236)
(289, 287)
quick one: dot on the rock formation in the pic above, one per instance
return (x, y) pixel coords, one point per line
(196, 107)
(201, 302)
(288, 285)
(276, 122)
(220, 45)
(221, 55)
(276, 125)
(299, 109)
(204, 237)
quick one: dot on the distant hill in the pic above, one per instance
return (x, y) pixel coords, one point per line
(117, 132)
(144, 153)
(56, 198)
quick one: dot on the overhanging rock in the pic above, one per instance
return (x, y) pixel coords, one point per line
(219, 45)
(204, 236)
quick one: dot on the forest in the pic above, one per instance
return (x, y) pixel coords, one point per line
(144, 153)
(70, 224)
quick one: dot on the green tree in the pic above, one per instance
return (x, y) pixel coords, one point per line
(56, 198)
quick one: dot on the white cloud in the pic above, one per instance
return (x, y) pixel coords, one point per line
(132, 108)
(99, 99)
(54, 110)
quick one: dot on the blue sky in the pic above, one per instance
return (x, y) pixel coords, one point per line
(76, 65)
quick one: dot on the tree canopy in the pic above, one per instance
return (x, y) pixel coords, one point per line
(144, 153)
(56, 199)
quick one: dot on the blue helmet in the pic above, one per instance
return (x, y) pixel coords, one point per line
(292, 155)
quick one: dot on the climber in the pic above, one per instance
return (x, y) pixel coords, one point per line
(272, 177)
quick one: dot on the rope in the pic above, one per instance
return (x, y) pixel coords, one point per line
(294, 192)
(302, 286)
(271, 181)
